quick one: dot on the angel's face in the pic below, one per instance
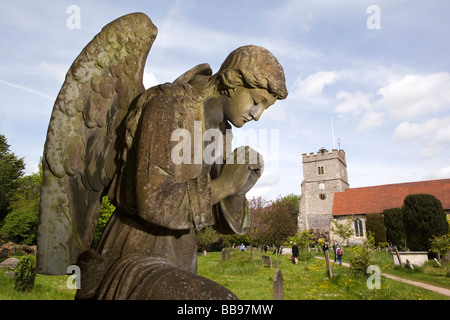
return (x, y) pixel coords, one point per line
(246, 104)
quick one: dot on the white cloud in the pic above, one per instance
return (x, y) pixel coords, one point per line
(313, 85)
(371, 120)
(415, 95)
(433, 134)
(352, 103)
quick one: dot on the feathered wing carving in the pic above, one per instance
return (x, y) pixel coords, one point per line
(84, 137)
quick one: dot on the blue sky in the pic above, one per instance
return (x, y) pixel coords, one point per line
(386, 91)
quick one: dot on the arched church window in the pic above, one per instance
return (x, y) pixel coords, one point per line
(359, 230)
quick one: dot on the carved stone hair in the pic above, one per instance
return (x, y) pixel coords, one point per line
(254, 67)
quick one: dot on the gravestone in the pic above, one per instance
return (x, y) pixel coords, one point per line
(437, 262)
(409, 264)
(228, 254)
(266, 260)
(223, 255)
(278, 291)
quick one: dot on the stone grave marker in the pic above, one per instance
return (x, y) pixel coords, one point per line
(278, 290)
(266, 260)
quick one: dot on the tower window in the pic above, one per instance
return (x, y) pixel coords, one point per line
(320, 170)
(322, 196)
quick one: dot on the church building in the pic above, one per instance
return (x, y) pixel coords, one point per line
(326, 195)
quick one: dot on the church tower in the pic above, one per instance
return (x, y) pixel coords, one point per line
(324, 174)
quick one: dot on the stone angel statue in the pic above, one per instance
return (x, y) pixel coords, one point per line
(109, 136)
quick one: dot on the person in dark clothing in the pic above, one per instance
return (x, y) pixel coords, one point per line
(295, 253)
(325, 247)
(335, 245)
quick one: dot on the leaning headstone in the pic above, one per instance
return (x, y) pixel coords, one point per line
(409, 264)
(278, 291)
(437, 263)
(228, 254)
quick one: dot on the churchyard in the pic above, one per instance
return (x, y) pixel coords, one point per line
(253, 280)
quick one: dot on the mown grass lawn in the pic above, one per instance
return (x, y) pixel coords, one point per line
(45, 288)
(252, 281)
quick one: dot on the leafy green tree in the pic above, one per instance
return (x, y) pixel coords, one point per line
(11, 169)
(395, 230)
(20, 225)
(345, 231)
(423, 218)
(359, 259)
(375, 225)
(441, 245)
(207, 237)
(282, 220)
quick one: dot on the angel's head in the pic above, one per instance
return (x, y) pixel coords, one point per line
(252, 79)
(252, 67)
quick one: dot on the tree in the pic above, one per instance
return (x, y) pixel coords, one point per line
(20, 225)
(375, 225)
(259, 211)
(11, 169)
(423, 218)
(395, 230)
(207, 237)
(441, 245)
(282, 220)
(345, 231)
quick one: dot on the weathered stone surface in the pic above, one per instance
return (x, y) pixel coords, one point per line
(10, 263)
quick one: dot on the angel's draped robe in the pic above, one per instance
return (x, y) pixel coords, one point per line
(149, 247)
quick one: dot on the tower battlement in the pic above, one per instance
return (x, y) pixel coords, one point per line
(324, 154)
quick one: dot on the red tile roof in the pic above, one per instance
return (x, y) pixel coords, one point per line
(377, 198)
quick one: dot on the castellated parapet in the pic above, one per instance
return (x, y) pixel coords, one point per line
(324, 154)
(324, 173)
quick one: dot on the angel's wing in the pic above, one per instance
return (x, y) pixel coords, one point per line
(82, 139)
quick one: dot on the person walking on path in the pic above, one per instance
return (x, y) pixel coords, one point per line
(295, 253)
(339, 254)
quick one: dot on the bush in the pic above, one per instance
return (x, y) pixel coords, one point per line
(375, 224)
(359, 259)
(423, 217)
(395, 231)
(25, 274)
